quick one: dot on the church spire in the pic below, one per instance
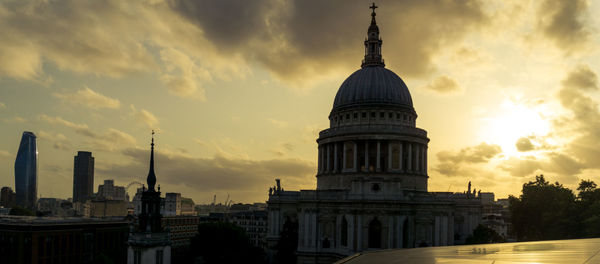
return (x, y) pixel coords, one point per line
(373, 43)
(151, 180)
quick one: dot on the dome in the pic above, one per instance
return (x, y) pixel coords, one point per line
(373, 86)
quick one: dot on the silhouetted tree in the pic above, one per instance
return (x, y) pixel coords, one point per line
(543, 211)
(588, 209)
(18, 210)
(220, 242)
(288, 243)
(484, 235)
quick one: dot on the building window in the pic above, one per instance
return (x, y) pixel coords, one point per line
(355, 115)
(159, 257)
(375, 234)
(349, 155)
(344, 241)
(137, 256)
(398, 116)
(390, 115)
(364, 114)
(382, 115)
(347, 116)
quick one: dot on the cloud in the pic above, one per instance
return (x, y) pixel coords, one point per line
(110, 140)
(443, 85)
(524, 144)
(216, 174)
(6, 154)
(15, 119)
(563, 22)
(83, 37)
(278, 123)
(144, 116)
(563, 165)
(2, 105)
(89, 98)
(451, 163)
(584, 122)
(182, 75)
(59, 141)
(290, 39)
(81, 129)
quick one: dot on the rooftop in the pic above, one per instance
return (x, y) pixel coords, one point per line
(572, 251)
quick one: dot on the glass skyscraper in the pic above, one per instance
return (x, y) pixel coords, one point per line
(26, 171)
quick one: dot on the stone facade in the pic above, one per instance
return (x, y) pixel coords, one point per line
(371, 177)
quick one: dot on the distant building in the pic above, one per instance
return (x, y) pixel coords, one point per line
(149, 243)
(61, 240)
(83, 176)
(8, 197)
(108, 191)
(172, 204)
(108, 208)
(254, 223)
(181, 230)
(187, 206)
(26, 171)
(496, 215)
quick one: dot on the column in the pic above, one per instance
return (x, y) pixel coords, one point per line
(355, 156)
(425, 159)
(335, 157)
(366, 155)
(400, 155)
(378, 155)
(417, 162)
(409, 161)
(436, 236)
(320, 155)
(389, 166)
(359, 230)
(328, 167)
(344, 156)
(444, 236)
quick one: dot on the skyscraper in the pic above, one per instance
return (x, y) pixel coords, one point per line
(26, 171)
(83, 176)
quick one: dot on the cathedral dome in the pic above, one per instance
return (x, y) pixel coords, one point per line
(373, 86)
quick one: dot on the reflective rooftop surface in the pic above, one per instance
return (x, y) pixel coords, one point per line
(554, 251)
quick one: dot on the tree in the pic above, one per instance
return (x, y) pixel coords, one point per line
(18, 210)
(543, 211)
(484, 235)
(588, 209)
(288, 243)
(220, 242)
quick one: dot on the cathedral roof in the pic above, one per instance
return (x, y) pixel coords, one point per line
(373, 84)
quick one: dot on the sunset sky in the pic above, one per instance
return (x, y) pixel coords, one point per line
(238, 90)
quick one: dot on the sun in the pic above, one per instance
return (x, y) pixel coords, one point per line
(513, 121)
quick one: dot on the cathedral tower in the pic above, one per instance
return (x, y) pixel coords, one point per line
(149, 242)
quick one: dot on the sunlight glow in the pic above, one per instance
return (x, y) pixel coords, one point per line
(516, 120)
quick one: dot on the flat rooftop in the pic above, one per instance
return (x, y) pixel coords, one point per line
(574, 251)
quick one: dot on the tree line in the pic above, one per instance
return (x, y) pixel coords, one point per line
(548, 211)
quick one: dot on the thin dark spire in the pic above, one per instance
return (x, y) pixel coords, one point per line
(151, 180)
(373, 43)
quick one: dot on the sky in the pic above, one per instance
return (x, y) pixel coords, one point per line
(237, 90)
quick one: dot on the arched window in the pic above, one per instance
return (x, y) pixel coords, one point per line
(344, 241)
(375, 234)
(349, 155)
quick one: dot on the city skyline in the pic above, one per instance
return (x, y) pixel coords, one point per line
(506, 90)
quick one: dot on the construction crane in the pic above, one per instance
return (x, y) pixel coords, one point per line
(226, 200)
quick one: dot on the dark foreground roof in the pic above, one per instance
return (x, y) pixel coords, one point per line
(573, 251)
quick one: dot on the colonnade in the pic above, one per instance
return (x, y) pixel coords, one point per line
(372, 156)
